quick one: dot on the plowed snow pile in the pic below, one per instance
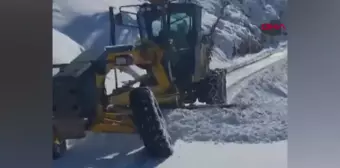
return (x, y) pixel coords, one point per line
(265, 120)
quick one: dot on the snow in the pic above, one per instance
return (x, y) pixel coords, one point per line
(263, 121)
(241, 137)
(198, 154)
(239, 74)
(218, 62)
(241, 21)
(104, 151)
(86, 22)
(64, 49)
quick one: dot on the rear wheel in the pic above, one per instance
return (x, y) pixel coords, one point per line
(150, 123)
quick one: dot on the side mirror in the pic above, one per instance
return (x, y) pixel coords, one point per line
(115, 19)
(126, 19)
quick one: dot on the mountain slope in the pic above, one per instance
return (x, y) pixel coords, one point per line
(86, 22)
(64, 49)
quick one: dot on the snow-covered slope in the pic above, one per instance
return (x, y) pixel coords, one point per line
(240, 24)
(86, 22)
(64, 49)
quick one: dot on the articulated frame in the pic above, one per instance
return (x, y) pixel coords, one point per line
(118, 118)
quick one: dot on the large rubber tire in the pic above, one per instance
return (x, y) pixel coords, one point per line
(213, 89)
(58, 150)
(150, 123)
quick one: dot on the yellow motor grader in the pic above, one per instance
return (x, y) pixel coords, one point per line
(175, 55)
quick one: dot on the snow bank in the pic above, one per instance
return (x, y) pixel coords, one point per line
(265, 120)
(64, 49)
(87, 22)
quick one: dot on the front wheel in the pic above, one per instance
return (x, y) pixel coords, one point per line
(150, 123)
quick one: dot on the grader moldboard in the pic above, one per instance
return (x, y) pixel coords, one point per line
(174, 54)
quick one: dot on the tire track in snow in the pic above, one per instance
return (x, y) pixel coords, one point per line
(236, 76)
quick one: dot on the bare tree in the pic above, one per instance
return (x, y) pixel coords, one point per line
(208, 38)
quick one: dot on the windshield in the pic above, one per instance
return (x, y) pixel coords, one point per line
(179, 22)
(151, 22)
(156, 26)
(179, 28)
(152, 26)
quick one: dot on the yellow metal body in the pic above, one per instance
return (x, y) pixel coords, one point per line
(118, 119)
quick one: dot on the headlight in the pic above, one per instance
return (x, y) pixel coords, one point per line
(120, 60)
(123, 60)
